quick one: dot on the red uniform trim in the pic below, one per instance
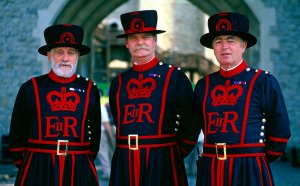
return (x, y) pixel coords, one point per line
(145, 29)
(136, 166)
(147, 157)
(220, 173)
(174, 168)
(74, 147)
(54, 151)
(87, 100)
(73, 170)
(185, 152)
(147, 66)
(235, 155)
(212, 171)
(94, 170)
(247, 106)
(20, 149)
(282, 140)
(55, 142)
(118, 103)
(61, 169)
(230, 171)
(260, 168)
(58, 79)
(245, 145)
(204, 105)
(150, 145)
(236, 150)
(38, 107)
(189, 142)
(26, 170)
(164, 95)
(268, 171)
(19, 162)
(234, 71)
(149, 141)
(130, 168)
(274, 153)
(53, 159)
(150, 136)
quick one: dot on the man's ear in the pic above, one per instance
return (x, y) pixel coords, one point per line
(49, 56)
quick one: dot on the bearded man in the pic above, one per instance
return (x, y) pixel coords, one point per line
(55, 124)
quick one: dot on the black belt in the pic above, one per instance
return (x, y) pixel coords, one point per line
(60, 147)
(135, 141)
(223, 150)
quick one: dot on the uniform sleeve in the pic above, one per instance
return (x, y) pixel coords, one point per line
(112, 99)
(18, 126)
(199, 92)
(95, 122)
(277, 120)
(189, 121)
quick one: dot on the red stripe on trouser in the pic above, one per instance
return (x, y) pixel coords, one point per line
(212, 171)
(136, 166)
(61, 169)
(130, 168)
(94, 170)
(260, 168)
(230, 171)
(220, 173)
(269, 176)
(173, 167)
(73, 170)
(26, 170)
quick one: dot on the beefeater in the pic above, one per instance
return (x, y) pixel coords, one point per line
(154, 112)
(55, 124)
(246, 124)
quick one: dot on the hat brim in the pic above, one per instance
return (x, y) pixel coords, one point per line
(153, 31)
(207, 39)
(81, 48)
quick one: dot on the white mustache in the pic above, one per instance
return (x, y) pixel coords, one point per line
(140, 47)
(62, 64)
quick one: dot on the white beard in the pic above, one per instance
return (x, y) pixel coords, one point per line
(66, 73)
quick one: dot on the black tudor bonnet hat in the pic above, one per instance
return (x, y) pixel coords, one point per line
(228, 23)
(64, 35)
(139, 22)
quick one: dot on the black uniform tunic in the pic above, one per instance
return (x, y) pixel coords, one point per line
(246, 126)
(55, 131)
(145, 101)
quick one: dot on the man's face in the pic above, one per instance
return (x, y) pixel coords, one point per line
(141, 46)
(229, 50)
(63, 61)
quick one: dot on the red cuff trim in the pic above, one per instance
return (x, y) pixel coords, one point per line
(17, 149)
(274, 153)
(189, 142)
(282, 140)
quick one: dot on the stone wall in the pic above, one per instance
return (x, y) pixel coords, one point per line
(286, 58)
(18, 51)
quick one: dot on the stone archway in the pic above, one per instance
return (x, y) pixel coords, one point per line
(89, 13)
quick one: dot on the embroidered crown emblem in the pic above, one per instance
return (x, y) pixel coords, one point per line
(226, 95)
(140, 88)
(63, 100)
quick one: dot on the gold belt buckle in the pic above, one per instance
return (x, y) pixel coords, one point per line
(136, 147)
(58, 152)
(224, 156)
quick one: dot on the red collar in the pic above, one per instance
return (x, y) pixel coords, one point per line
(140, 68)
(234, 71)
(59, 79)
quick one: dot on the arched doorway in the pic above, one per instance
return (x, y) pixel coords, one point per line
(90, 13)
